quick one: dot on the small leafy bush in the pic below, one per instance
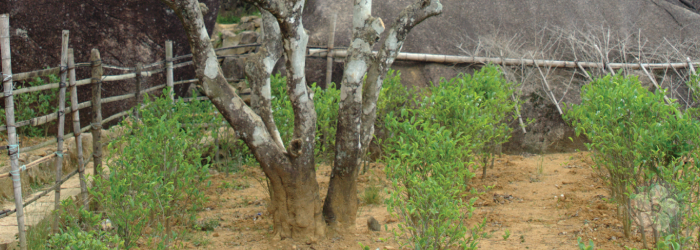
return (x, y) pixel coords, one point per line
(34, 104)
(477, 106)
(156, 173)
(77, 239)
(647, 151)
(429, 179)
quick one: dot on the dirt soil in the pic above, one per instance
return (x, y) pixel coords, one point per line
(547, 208)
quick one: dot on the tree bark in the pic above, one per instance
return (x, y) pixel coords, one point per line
(340, 206)
(358, 103)
(258, 69)
(296, 205)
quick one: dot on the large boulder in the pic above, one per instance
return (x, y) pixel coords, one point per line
(526, 26)
(125, 32)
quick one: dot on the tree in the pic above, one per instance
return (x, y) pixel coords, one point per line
(296, 205)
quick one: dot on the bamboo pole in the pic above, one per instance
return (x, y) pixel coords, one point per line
(61, 125)
(50, 142)
(585, 73)
(35, 163)
(117, 98)
(187, 81)
(76, 128)
(115, 116)
(33, 74)
(435, 58)
(17, 125)
(690, 65)
(13, 145)
(153, 88)
(36, 121)
(329, 58)
(169, 68)
(96, 111)
(137, 101)
(549, 90)
(653, 81)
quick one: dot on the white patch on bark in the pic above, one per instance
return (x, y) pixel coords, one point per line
(258, 137)
(378, 26)
(361, 12)
(269, 63)
(356, 69)
(392, 41)
(265, 91)
(211, 69)
(300, 91)
(299, 53)
(437, 8)
(367, 110)
(235, 104)
(203, 34)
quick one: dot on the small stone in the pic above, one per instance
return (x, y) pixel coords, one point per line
(389, 247)
(215, 235)
(613, 238)
(373, 224)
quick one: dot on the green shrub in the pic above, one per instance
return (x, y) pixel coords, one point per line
(76, 239)
(156, 173)
(429, 178)
(644, 147)
(477, 106)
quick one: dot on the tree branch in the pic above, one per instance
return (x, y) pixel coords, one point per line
(241, 117)
(366, 32)
(407, 19)
(258, 70)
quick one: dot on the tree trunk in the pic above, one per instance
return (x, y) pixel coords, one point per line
(295, 201)
(340, 206)
(358, 109)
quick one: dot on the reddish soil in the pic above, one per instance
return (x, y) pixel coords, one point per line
(545, 209)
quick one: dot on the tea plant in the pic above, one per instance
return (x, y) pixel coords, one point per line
(156, 173)
(30, 105)
(645, 146)
(476, 105)
(429, 178)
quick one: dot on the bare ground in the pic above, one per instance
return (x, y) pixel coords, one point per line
(542, 209)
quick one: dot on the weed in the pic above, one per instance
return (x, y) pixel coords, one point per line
(371, 195)
(583, 246)
(506, 235)
(207, 224)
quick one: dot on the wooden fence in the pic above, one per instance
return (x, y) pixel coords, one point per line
(166, 66)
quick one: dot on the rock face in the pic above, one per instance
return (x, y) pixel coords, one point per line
(531, 24)
(125, 32)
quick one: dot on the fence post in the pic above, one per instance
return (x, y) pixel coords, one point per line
(169, 68)
(61, 125)
(139, 78)
(76, 127)
(331, 42)
(96, 64)
(13, 145)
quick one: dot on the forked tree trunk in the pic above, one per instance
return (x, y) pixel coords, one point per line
(295, 202)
